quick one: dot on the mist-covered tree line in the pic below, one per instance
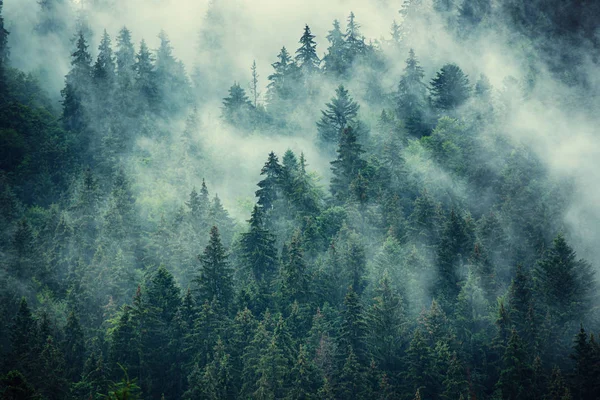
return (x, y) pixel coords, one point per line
(434, 264)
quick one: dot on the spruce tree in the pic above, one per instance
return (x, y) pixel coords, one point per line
(268, 191)
(411, 98)
(76, 91)
(347, 166)
(516, 373)
(215, 278)
(334, 62)
(306, 55)
(237, 108)
(564, 282)
(74, 348)
(258, 246)
(450, 88)
(145, 77)
(340, 113)
(354, 328)
(295, 278)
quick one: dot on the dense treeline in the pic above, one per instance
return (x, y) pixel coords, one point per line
(434, 265)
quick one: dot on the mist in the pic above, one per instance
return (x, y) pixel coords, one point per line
(398, 204)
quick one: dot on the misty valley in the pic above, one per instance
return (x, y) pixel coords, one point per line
(297, 200)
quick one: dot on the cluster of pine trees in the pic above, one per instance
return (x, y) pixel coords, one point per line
(435, 264)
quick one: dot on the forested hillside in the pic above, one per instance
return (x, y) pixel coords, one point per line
(411, 216)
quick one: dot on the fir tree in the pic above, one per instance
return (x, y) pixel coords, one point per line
(73, 347)
(354, 327)
(347, 166)
(237, 107)
(565, 282)
(334, 61)
(516, 373)
(450, 88)
(412, 97)
(268, 191)
(306, 55)
(215, 279)
(259, 252)
(340, 113)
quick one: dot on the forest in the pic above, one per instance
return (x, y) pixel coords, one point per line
(400, 202)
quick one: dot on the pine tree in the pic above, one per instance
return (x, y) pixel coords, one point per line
(76, 89)
(387, 325)
(421, 372)
(124, 348)
(14, 386)
(452, 252)
(283, 83)
(340, 113)
(104, 70)
(352, 381)
(269, 186)
(237, 108)
(22, 339)
(295, 278)
(52, 382)
(258, 246)
(450, 88)
(520, 304)
(306, 55)
(215, 279)
(305, 382)
(216, 379)
(145, 77)
(334, 62)
(565, 283)
(172, 83)
(412, 97)
(254, 85)
(73, 348)
(516, 373)
(355, 44)
(354, 328)
(347, 166)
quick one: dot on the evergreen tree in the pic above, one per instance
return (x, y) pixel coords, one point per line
(452, 252)
(105, 68)
(565, 282)
(353, 332)
(215, 279)
(352, 381)
(421, 373)
(355, 44)
(516, 373)
(306, 382)
(334, 61)
(76, 89)
(306, 55)
(23, 339)
(387, 325)
(268, 191)
(258, 246)
(145, 77)
(340, 113)
(412, 97)
(450, 88)
(347, 166)
(73, 348)
(237, 109)
(295, 278)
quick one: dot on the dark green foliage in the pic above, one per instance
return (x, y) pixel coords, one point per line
(324, 292)
(306, 55)
(516, 373)
(411, 100)
(268, 191)
(215, 278)
(347, 167)
(237, 109)
(340, 113)
(565, 283)
(450, 88)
